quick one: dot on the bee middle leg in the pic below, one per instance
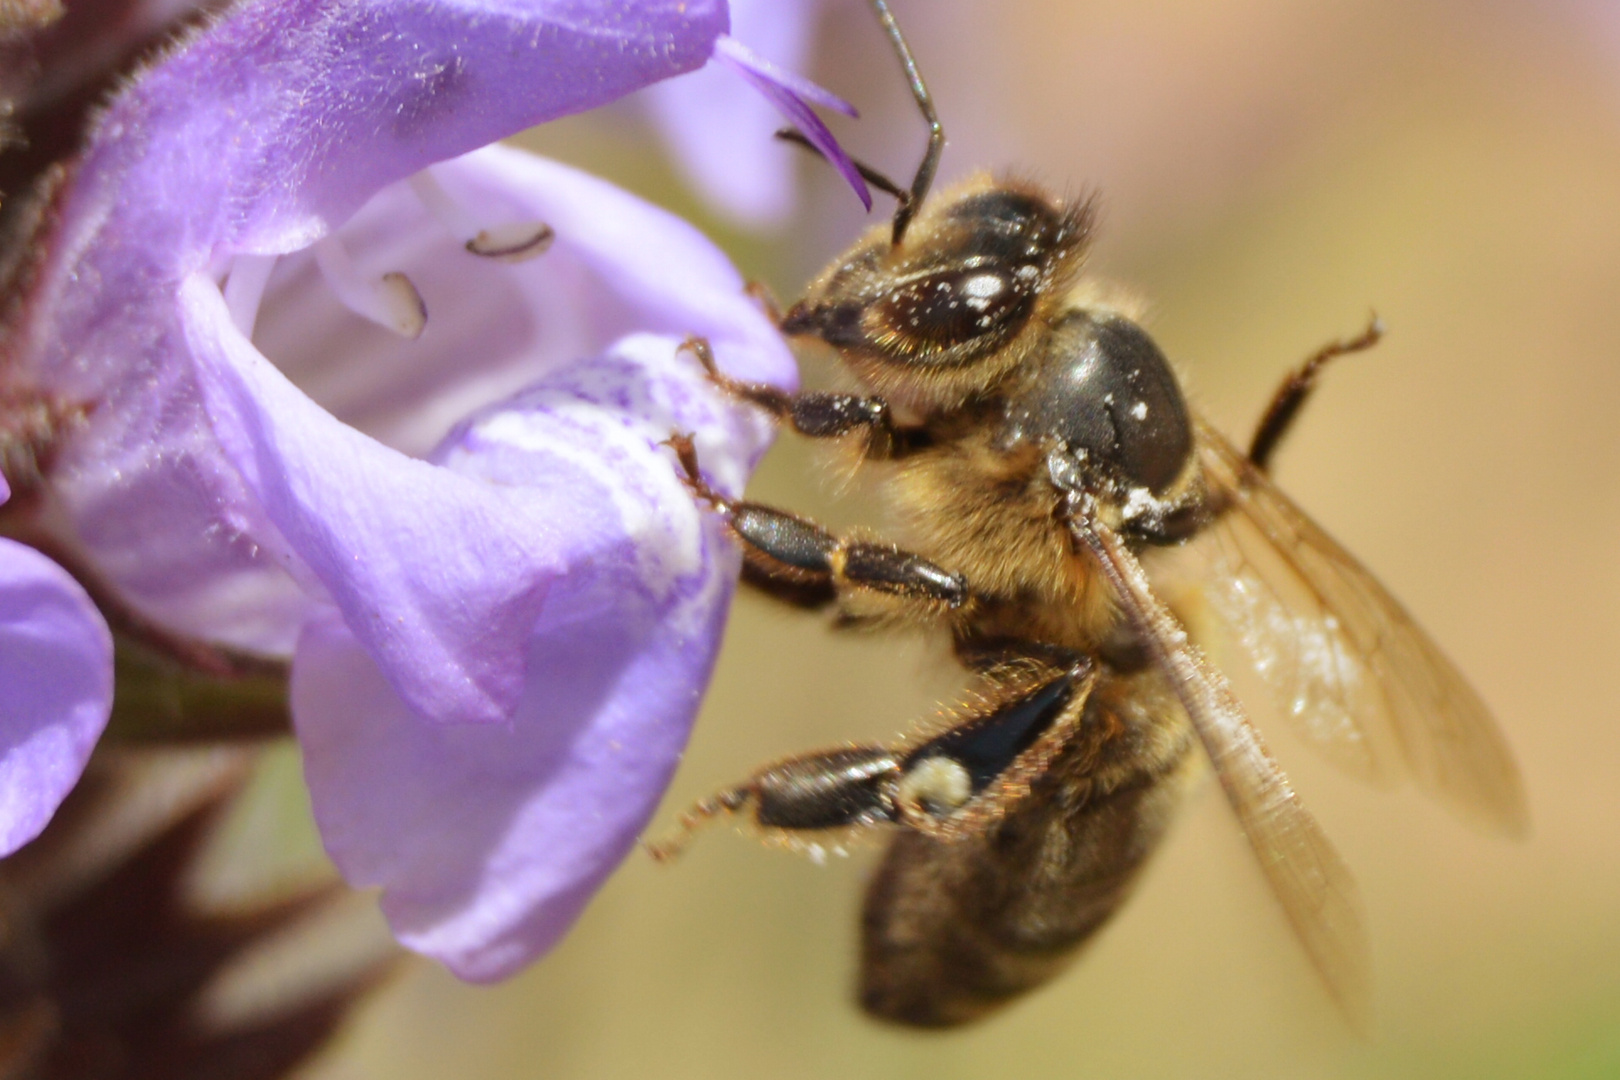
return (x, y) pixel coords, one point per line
(796, 560)
(818, 414)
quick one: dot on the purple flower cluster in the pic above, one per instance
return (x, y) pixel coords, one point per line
(353, 387)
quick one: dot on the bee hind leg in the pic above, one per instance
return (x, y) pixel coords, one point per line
(825, 792)
(920, 783)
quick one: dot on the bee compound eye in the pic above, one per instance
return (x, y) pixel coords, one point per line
(937, 785)
(948, 307)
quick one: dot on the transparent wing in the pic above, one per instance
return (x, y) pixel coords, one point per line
(1304, 871)
(1350, 668)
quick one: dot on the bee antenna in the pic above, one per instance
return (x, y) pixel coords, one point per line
(925, 104)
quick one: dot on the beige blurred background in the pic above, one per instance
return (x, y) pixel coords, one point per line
(1270, 172)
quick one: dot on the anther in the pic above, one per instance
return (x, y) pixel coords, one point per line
(391, 301)
(512, 242)
(244, 289)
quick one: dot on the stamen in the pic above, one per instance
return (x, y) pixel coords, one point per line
(513, 242)
(244, 289)
(391, 302)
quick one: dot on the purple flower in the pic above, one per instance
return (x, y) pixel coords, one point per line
(56, 681)
(553, 527)
(327, 416)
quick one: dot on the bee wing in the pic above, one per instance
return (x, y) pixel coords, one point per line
(1305, 872)
(1350, 668)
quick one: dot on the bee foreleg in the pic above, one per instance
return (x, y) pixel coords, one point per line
(817, 414)
(794, 559)
(761, 294)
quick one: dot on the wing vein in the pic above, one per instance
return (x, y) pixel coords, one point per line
(1349, 666)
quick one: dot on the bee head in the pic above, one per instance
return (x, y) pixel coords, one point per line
(961, 300)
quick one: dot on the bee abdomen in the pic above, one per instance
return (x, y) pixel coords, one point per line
(952, 930)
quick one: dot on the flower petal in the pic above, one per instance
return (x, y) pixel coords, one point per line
(500, 648)
(435, 574)
(56, 684)
(733, 50)
(488, 840)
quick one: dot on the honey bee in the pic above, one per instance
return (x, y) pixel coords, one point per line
(1049, 477)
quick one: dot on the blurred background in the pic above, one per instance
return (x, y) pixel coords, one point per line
(1270, 172)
